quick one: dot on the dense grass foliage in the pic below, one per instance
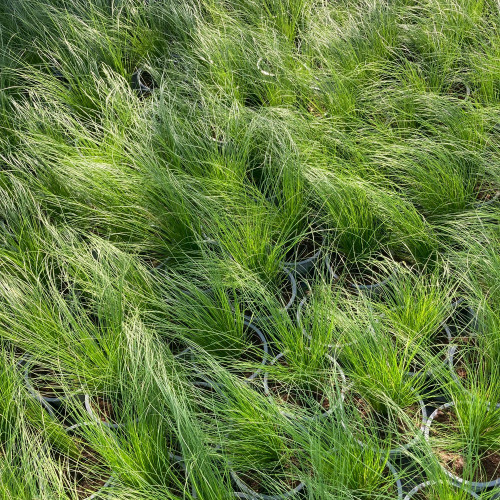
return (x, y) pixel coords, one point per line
(249, 249)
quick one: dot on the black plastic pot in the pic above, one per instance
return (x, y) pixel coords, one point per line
(395, 473)
(57, 74)
(321, 415)
(369, 290)
(142, 82)
(422, 487)
(459, 89)
(495, 199)
(248, 494)
(455, 480)
(262, 67)
(265, 348)
(468, 315)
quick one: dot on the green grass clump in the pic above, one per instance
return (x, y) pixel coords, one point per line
(249, 276)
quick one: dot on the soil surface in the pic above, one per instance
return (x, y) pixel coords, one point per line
(316, 110)
(465, 358)
(297, 396)
(438, 348)
(103, 408)
(458, 89)
(420, 495)
(369, 275)
(87, 473)
(357, 275)
(486, 192)
(285, 291)
(147, 80)
(391, 489)
(488, 468)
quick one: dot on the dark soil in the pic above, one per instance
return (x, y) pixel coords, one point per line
(103, 408)
(391, 490)
(369, 275)
(356, 275)
(285, 291)
(385, 424)
(176, 346)
(458, 89)
(463, 322)
(87, 473)
(151, 262)
(147, 80)
(421, 496)
(440, 344)
(488, 468)
(316, 110)
(215, 136)
(438, 348)
(252, 481)
(486, 191)
(463, 360)
(255, 351)
(298, 396)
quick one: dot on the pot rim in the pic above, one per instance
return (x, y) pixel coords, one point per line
(456, 480)
(24, 363)
(305, 262)
(423, 485)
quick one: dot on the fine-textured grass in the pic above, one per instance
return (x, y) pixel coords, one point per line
(150, 240)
